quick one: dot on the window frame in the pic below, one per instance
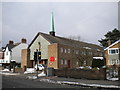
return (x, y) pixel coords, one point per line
(116, 51)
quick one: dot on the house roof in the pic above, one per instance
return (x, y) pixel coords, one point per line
(112, 44)
(11, 46)
(66, 41)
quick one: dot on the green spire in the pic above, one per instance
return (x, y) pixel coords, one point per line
(52, 23)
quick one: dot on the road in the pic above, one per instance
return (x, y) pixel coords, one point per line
(22, 82)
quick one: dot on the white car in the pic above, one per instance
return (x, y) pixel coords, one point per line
(40, 67)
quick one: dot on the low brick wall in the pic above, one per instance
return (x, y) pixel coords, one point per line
(81, 73)
(19, 70)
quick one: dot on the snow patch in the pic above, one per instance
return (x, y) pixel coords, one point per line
(77, 83)
(113, 79)
(9, 73)
(5, 70)
(42, 74)
(32, 77)
(48, 80)
(29, 70)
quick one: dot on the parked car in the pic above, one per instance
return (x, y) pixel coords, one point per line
(40, 67)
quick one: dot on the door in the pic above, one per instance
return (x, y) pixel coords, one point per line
(68, 63)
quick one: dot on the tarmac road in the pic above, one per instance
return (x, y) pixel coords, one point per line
(22, 82)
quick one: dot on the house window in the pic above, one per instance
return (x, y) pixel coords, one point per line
(77, 63)
(61, 50)
(114, 62)
(84, 62)
(61, 62)
(113, 51)
(6, 53)
(84, 53)
(65, 62)
(68, 50)
(117, 62)
(65, 50)
(77, 51)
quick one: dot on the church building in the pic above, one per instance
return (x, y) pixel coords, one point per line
(60, 52)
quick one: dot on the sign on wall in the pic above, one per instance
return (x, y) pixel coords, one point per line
(52, 59)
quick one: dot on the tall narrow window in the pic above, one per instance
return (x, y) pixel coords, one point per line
(61, 50)
(61, 62)
(65, 50)
(68, 50)
(65, 62)
(6, 53)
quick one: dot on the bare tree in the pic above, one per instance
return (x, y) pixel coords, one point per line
(83, 57)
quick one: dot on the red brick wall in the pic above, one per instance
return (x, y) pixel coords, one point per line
(53, 52)
(25, 59)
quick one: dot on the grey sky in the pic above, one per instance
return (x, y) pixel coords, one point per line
(89, 20)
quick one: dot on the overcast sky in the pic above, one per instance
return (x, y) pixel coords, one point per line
(89, 20)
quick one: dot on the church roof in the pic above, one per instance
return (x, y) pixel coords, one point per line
(66, 41)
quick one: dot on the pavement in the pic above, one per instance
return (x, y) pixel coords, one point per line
(82, 82)
(104, 84)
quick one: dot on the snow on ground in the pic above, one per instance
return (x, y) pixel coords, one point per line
(9, 73)
(78, 83)
(42, 74)
(32, 77)
(113, 79)
(5, 70)
(29, 70)
(39, 75)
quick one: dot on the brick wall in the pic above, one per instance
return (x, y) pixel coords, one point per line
(68, 56)
(19, 70)
(53, 52)
(80, 73)
(25, 59)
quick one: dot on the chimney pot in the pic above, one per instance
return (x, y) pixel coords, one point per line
(11, 42)
(23, 40)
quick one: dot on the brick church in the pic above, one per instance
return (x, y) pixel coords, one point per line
(60, 52)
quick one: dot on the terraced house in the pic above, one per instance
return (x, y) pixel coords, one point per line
(60, 52)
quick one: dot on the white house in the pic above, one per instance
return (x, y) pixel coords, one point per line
(13, 51)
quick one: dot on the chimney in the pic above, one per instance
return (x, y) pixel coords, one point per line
(52, 33)
(23, 40)
(11, 42)
(109, 42)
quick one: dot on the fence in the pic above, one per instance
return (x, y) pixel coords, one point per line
(80, 73)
